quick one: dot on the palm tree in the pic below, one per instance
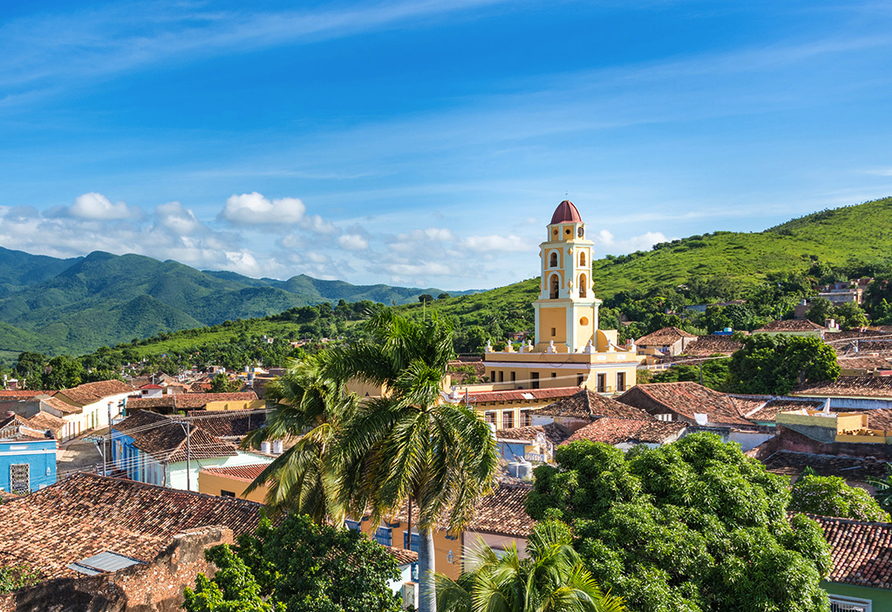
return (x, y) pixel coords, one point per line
(883, 486)
(552, 579)
(408, 445)
(311, 407)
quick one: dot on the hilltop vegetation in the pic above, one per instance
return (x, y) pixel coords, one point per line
(75, 305)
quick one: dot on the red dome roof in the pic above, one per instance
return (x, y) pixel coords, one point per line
(565, 213)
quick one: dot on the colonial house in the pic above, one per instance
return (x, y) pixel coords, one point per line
(88, 406)
(27, 458)
(532, 443)
(157, 449)
(510, 408)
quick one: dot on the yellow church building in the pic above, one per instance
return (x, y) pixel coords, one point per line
(569, 349)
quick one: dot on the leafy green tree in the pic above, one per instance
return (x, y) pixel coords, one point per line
(15, 577)
(63, 372)
(425, 298)
(850, 316)
(715, 374)
(775, 364)
(819, 310)
(878, 291)
(831, 496)
(691, 526)
(407, 445)
(553, 578)
(298, 566)
(30, 366)
(714, 319)
(444, 296)
(220, 383)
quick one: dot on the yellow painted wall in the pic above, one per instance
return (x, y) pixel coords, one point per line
(553, 318)
(213, 484)
(584, 330)
(237, 405)
(442, 546)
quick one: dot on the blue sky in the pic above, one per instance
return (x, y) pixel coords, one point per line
(427, 143)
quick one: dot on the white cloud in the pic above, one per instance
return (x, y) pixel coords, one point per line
(176, 219)
(606, 242)
(353, 242)
(98, 207)
(254, 209)
(317, 224)
(496, 242)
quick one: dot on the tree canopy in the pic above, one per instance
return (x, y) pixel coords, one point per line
(693, 526)
(298, 566)
(775, 364)
(831, 496)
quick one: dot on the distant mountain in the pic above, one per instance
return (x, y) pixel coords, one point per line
(77, 305)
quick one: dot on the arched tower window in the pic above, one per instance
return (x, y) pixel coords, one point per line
(583, 290)
(552, 261)
(554, 286)
(582, 259)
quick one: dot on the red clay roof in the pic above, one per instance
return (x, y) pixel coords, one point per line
(86, 514)
(503, 512)
(89, 393)
(186, 401)
(520, 395)
(246, 473)
(789, 463)
(706, 346)
(566, 212)
(616, 431)
(861, 551)
(165, 439)
(667, 335)
(552, 432)
(585, 404)
(849, 386)
(685, 399)
(23, 394)
(790, 325)
(403, 556)
(765, 408)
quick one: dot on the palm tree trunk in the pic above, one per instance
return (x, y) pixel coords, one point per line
(426, 566)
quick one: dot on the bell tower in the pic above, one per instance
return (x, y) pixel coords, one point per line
(567, 310)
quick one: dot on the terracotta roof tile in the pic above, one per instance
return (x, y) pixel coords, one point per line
(165, 439)
(86, 514)
(684, 399)
(706, 346)
(552, 432)
(566, 212)
(585, 404)
(245, 473)
(870, 364)
(849, 386)
(667, 335)
(403, 556)
(89, 393)
(765, 408)
(790, 325)
(229, 423)
(24, 394)
(519, 395)
(43, 421)
(861, 551)
(503, 512)
(186, 401)
(789, 463)
(63, 407)
(616, 431)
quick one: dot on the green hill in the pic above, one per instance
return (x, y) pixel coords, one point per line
(76, 305)
(856, 237)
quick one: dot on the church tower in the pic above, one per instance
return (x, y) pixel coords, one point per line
(567, 310)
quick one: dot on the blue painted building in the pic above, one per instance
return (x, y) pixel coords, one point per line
(27, 458)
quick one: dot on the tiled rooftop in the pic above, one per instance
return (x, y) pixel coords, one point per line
(861, 551)
(765, 408)
(789, 463)
(663, 337)
(790, 325)
(89, 393)
(849, 386)
(706, 346)
(616, 431)
(245, 473)
(87, 514)
(23, 394)
(165, 439)
(869, 364)
(520, 395)
(43, 421)
(403, 556)
(585, 404)
(686, 399)
(63, 407)
(553, 432)
(187, 401)
(503, 512)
